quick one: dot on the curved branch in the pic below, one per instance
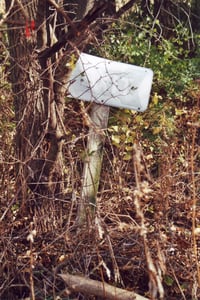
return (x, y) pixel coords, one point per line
(74, 33)
(64, 14)
(77, 30)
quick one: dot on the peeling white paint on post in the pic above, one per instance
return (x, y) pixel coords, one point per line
(105, 83)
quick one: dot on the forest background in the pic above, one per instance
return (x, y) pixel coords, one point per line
(145, 233)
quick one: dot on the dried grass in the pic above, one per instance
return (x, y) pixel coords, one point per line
(145, 236)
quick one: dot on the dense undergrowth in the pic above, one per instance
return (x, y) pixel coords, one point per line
(149, 183)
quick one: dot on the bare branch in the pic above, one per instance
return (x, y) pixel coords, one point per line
(64, 14)
(22, 9)
(80, 29)
(7, 13)
(76, 30)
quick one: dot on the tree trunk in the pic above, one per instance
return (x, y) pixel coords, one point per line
(39, 104)
(41, 42)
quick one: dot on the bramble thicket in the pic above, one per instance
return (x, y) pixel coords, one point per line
(142, 234)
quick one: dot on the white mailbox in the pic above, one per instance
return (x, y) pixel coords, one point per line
(110, 83)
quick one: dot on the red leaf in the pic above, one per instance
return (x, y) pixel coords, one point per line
(27, 30)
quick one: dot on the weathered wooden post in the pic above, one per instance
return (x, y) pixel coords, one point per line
(93, 160)
(105, 83)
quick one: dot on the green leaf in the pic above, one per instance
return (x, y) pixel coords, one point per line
(115, 139)
(168, 280)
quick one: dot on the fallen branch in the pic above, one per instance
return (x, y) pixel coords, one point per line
(101, 289)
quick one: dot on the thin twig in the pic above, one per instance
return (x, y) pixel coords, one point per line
(194, 204)
(81, 26)
(64, 14)
(22, 9)
(7, 13)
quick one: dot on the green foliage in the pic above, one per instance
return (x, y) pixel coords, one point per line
(170, 59)
(168, 280)
(6, 112)
(176, 65)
